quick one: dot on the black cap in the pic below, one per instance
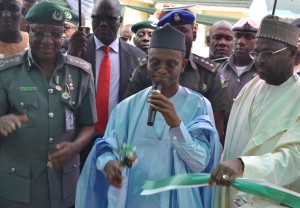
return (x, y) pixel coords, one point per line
(168, 37)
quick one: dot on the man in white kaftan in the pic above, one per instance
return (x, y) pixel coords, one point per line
(171, 146)
(263, 137)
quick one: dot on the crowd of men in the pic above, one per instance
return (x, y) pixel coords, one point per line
(71, 99)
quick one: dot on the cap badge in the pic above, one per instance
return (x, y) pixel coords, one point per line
(57, 15)
(68, 15)
(247, 26)
(177, 17)
(153, 24)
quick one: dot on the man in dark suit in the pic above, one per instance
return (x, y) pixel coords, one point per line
(106, 20)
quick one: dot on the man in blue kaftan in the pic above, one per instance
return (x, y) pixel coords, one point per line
(182, 140)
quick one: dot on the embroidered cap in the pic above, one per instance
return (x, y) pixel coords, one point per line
(143, 24)
(168, 37)
(177, 17)
(246, 24)
(45, 12)
(274, 28)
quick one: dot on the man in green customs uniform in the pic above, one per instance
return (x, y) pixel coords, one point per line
(47, 115)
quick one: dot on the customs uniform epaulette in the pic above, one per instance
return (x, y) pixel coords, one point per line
(11, 61)
(82, 64)
(207, 64)
(142, 61)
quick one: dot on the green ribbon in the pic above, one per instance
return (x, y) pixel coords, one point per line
(264, 190)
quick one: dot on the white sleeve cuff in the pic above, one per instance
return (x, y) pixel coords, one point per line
(180, 134)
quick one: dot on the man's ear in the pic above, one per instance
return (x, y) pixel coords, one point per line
(27, 28)
(293, 52)
(184, 63)
(207, 40)
(195, 29)
(134, 41)
(121, 20)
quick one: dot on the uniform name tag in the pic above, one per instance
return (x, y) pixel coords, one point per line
(69, 120)
(28, 89)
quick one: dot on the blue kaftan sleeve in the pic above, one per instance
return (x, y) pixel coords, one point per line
(194, 151)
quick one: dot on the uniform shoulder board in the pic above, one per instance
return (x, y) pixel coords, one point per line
(80, 63)
(220, 60)
(206, 63)
(142, 61)
(9, 62)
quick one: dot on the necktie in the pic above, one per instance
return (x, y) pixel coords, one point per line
(102, 95)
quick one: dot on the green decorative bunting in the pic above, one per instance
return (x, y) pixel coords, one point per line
(259, 187)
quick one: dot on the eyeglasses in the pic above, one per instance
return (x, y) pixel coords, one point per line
(41, 35)
(264, 54)
(170, 65)
(102, 18)
(68, 27)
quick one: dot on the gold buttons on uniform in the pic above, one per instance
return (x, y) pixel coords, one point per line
(13, 170)
(51, 115)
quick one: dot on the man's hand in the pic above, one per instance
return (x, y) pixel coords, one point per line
(113, 171)
(64, 153)
(159, 13)
(78, 43)
(166, 107)
(226, 172)
(10, 123)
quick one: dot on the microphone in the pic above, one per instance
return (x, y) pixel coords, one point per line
(152, 113)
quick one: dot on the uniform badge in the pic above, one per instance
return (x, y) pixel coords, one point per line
(58, 88)
(68, 15)
(65, 95)
(57, 81)
(247, 26)
(57, 15)
(204, 87)
(71, 82)
(177, 17)
(224, 81)
(153, 24)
